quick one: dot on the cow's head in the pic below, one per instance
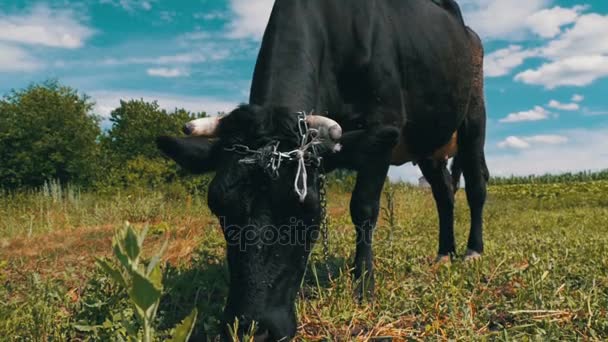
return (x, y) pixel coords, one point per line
(269, 228)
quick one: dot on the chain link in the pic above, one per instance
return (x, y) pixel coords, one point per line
(270, 158)
(324, 227)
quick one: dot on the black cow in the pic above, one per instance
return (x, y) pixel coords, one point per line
(402, 78)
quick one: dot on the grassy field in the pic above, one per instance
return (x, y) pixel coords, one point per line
(544, 275)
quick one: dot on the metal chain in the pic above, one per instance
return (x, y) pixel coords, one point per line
(324, 226)
(270, 158)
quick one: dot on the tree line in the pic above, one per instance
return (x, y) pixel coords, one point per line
(49, 131)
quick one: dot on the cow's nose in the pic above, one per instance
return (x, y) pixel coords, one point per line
(188, 129)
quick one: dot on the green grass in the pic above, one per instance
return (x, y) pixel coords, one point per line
(544, 275)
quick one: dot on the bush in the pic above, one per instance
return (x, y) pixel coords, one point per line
(47, 131)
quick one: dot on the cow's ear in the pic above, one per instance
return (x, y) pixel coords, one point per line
(195, 154)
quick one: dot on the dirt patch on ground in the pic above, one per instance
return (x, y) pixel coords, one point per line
(70, 254)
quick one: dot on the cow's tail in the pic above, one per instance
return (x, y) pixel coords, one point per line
(463, 135)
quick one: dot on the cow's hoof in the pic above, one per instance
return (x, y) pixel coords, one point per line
(443, 260)
(472, 256)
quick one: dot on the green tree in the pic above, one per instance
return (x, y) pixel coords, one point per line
(129, 147)
(47, 131)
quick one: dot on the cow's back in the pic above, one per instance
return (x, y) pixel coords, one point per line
(369, 62)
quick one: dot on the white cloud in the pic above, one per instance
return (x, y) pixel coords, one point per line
(167, 72)
(129, 5)
(499, 19)
(566, 151)
(577, 98)
(573, 71)
(185, 58)
(492, 19)
(537, 114)
(522, 143)
(45, 26)
(578, 57)
(14, 59)
(106, 101)
(548, 23)
(584, 150)
(250, 18)
(206, 54)
(215, 15)
(502, 62)
(586, 38)
(196, 35)
(514, 142)
(405, 173)
(563, 106)
(547, 139)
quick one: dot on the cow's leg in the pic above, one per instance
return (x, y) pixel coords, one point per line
(436, 173)
(364, 209)
(476, 177)
(473, 163)
(471, 153)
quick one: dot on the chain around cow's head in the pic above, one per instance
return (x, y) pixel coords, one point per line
(270, 159)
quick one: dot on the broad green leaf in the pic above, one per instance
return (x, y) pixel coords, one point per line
(143, 292)
(122, 257)
(131, 244)
(156, 277)
(184, 329)
(112, 272)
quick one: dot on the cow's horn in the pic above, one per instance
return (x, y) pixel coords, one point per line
(319, 122)
(205, 127)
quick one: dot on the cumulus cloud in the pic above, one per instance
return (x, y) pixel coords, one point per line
(572, 71)
(566, 151)
(548, 23)
(129, 5)
(215, 15)
(564, 106)
(583, 150)
(576, 53)
(106, 101)
(514, 142)
(59, 28)
(578, 57)
(178, 58)
(586, 37)
(537, 114)
(577, 98)
(502, 62)
(167, 72)
(249, 18)
(499, 19)
(14, 59)
(167, 59)
(521, 143)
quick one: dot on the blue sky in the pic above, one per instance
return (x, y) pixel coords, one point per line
(546, 65)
